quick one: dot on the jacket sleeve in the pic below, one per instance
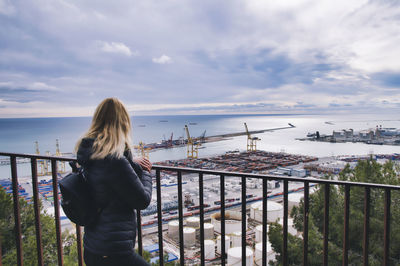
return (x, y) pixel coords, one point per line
(133, 189)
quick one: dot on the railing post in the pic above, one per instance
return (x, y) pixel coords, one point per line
(386, 233)
(222, 196)
(244, 201)
(285, 221)
(17, 217)
(180, 204)
(305, 222)
(79, 245)
(139, 232)
(37, 211)
(346, 225)
(1, 253)
(160, 224)
(265, 221)
(326, 224)
(57, 211)
(367, 197)
(201, 199)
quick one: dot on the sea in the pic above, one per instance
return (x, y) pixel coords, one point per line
(20, 134)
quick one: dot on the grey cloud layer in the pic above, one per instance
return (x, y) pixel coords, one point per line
(241, 56)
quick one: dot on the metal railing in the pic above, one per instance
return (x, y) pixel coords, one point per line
(221, 174)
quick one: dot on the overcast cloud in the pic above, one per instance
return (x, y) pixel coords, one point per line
(61, 58)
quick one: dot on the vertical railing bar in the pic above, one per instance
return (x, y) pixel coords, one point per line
(367, 197)
(326, 224)
(222, 199)
(139, 232)
(1, 254)
(244, 201)
(180, 204)
(346, 225)
(36, 207)
(305, 225)
(265, 221)
(159, 220)
(285, 222)
(201, 201)
(57, 211)
(17, 217)
(386, 234)
(79, 245)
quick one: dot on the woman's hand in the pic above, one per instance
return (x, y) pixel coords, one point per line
(144, 163)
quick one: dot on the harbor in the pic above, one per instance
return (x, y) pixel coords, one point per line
(273, 151)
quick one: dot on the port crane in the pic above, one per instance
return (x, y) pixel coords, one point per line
(168, 143)
(170, 139)
(143, 151)
(43, 165)
(61, 165)
(202, 137)
(44, 168)
(192, 146)
(251, 141)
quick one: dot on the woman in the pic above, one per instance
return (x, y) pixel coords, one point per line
(119, 185)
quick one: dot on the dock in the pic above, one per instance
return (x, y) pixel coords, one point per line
(243, 133)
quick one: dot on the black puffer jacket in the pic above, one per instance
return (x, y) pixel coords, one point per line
(119, 187)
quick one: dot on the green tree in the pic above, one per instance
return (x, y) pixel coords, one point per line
(368, 171)
(7, 233)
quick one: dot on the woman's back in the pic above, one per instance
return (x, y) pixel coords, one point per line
(119, 187)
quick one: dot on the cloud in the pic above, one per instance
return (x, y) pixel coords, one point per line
(41, 86)
(6, 8)
(117, 48)
(241, 56)
(164, 59)
(35, 86)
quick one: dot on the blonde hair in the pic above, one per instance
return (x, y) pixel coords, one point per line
(111, 129)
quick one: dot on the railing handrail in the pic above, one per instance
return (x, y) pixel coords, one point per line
(219, 172)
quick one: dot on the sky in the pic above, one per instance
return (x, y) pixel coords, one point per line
(62, 57)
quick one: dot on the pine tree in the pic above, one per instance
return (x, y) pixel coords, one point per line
(368, 171)
(7, 233)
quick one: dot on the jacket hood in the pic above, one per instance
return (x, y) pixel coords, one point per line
(85, 150)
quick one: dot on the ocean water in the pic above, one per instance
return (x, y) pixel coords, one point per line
(19, 135)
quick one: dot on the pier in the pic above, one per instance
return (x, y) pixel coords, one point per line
(230, 135)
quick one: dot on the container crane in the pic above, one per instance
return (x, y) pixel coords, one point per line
(143, 151)
(192, 147)
(170, 139)
(251, 141)
(42, 163)
(61, 165)
(37, 148)
(202, 137)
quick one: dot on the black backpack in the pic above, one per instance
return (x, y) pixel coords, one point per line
(77, 201)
